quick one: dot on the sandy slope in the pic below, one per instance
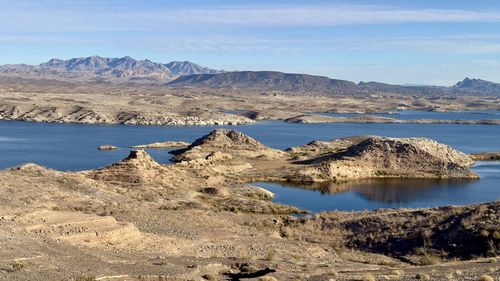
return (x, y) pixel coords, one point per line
(139, 220)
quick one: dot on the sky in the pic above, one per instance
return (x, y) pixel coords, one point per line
(437, 42)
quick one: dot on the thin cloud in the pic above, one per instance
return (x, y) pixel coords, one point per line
(464, 44)
(16, 18)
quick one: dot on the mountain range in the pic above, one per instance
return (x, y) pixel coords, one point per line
(278, 81)
(108, 69)
(188, 74)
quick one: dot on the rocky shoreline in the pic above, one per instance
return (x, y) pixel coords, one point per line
(166, 144)
(83, 115)
(199, 219)
(485, 156)
(316, 119)
(88, 115)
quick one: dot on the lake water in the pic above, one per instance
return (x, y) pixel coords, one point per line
(73, 147)
(392, 193)
(415, 114)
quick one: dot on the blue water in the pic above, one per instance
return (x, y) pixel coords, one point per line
(414, 114)
(73, 146)
(392, 193)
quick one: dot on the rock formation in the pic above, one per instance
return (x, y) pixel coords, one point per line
(96, 68)
(107, 147)
(485, 156)
(137, 170)
(185, 221)
(229, 142)
(166, 144)
(318, 118)
(86, 115)
(380, 157)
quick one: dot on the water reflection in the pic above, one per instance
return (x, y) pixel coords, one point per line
(391, 193)
(407, 190)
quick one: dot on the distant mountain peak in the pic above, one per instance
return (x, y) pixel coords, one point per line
(265, 80)
(97, 67)
(478, 86)
(181, 68)
(472, 82)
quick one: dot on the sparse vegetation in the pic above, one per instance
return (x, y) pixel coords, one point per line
(85, 278)
(270, 256)
(209, 277)
(429, 259)
(422, 276)
(397, 273)
(491, 260)
(17, 266)
(248, 268)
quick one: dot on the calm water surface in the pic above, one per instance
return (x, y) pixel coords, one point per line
(393, 193)
(72, 147)
(415, 114)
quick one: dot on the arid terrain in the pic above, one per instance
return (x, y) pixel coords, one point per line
(201, 219)
(318, 140)
(71, 102)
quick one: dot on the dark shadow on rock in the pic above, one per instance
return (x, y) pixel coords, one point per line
(247, 275)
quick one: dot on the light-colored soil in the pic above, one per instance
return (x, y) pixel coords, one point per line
(140, 220)
(46, 101)
(317, 118)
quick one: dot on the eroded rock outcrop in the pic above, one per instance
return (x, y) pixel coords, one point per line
(107, 147)
(223, 144)
(90, 115)
(166, 144)
(380, 157)
(485, 156)
(137, 170)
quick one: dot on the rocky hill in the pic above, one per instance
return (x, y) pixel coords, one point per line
(288, 82)
(353, 158)
(227, 144)
(400, 89)
(180, 68)
(381, 157)
(477, 86)
(269, 80)
(97, 68)
(177, 74)
(198, 220)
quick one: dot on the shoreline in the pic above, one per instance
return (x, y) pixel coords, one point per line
(294, 120)
(200, 217)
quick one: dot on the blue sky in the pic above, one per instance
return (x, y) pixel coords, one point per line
(418, 42)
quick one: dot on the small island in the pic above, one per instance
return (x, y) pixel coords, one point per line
(485, 156)
(107, 147)
(166, 144)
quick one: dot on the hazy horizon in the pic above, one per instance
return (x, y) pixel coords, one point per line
(397, 42)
